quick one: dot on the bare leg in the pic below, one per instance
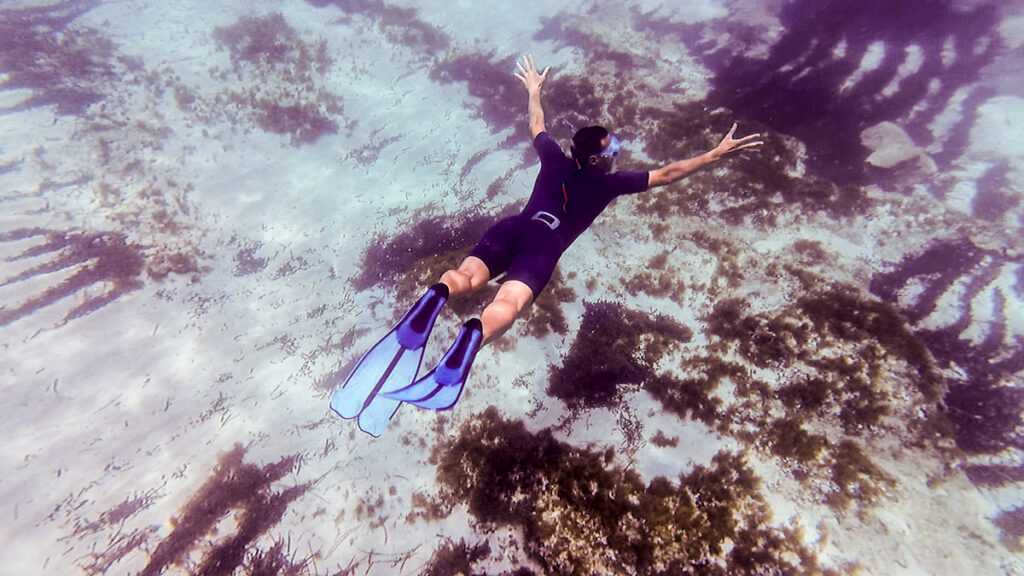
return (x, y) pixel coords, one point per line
(468, 278)
(510, 300)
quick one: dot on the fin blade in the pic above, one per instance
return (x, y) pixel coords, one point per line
(349, 400)
(376, 416)
(381, 408)
(418, 390)
(443, 398)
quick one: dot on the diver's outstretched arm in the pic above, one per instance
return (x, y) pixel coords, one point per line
(533, 80)
(678, 170)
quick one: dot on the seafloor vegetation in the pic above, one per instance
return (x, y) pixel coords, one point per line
(62, 70)
(283, 78)
(810, 384)
(139, 226)
(615, 347)
(581, 515)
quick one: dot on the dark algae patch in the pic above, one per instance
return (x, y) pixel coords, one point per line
(789, 439)
(1011, 523)
(983, 395)
(424, 249)
(89, 259)
(284, 73)
(64, 68)
(985, 405)
(92, 258)
(581, 516)
(754, 187)
(247, 492)
(414, 259)
(854, 318)
(875, 330)
(461, 557)
(691, 396)
(813, 384)
(399, 24)
(800, 87)
(615, 346)
(855, 476)
(140, 215)
(500, 100)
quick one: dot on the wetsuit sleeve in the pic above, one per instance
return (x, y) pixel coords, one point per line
(547, 148)
(627, 182)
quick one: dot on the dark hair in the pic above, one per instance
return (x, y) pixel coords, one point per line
(587, 142)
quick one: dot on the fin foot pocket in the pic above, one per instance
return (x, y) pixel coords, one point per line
(442, 387)
(414, 329)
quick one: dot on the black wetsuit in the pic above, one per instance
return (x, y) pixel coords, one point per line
(564, 202)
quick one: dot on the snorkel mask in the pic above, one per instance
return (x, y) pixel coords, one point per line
(587, 148)
(606, 158)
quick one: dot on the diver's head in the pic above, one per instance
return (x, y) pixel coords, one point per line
(595, 146)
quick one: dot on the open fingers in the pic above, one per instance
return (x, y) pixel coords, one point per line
(527, 73)
(525, 64)
(747, 142)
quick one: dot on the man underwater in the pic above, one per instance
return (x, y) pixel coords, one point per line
(568, 195)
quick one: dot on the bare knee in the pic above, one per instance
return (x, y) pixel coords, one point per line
(458, 282)
(469, 277)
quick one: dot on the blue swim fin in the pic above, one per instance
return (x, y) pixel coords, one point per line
(390, 365)
(442, 387)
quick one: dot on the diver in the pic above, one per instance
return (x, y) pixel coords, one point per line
(568, 195)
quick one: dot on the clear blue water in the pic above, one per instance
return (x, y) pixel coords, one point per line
(801, 360)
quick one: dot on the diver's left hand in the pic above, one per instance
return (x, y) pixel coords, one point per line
(528, 74)
(730, 144)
